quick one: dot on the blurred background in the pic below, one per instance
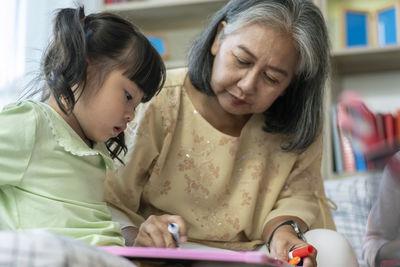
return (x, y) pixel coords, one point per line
(365, 56)
(26, 27)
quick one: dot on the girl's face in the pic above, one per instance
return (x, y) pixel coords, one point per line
(103, 112)
(252, 67)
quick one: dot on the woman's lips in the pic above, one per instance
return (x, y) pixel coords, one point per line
(237, 101)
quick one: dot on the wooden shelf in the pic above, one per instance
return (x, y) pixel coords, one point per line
(345, 175)
(155, 10)
(359, 60)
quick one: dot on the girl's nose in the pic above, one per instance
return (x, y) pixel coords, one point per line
(130, 115)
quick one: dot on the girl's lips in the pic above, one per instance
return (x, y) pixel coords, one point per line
(237, 101)
(118, 130)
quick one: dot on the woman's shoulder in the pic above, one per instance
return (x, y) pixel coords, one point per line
(169, 96)
(175, 77)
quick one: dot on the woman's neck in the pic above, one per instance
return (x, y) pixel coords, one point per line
(211, 111)
(71, 120)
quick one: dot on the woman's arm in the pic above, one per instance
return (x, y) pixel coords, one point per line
(124, 185)
(284, 234)
(147, 136)
(298, 201)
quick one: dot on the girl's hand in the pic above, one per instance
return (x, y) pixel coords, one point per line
(154, 232)
(286, 240)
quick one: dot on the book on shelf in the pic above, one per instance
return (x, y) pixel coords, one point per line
(349, 164)
(380, 125)
(363, 140)
(388, 121)
(337, 150)
(360, 161)
(115, 1)
(397, 126)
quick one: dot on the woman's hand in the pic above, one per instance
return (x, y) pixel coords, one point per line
(130, 233)
(154, 232)
(286, 240)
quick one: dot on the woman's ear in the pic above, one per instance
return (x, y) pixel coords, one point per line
(217, 40)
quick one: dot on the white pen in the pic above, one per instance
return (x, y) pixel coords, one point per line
(173, 228)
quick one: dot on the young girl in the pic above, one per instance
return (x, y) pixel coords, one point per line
(54, 155)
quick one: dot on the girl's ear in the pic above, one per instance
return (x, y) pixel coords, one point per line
(215, 45)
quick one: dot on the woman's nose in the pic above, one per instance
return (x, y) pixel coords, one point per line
(248, 82)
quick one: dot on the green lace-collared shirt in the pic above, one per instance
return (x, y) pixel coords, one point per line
(50, 179)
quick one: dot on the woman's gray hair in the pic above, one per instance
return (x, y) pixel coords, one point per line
(298, 113)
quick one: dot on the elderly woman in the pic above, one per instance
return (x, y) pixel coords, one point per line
(230, 150)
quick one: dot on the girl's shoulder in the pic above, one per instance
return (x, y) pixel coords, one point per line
(22, 121)
(27, 112)
(21, 107)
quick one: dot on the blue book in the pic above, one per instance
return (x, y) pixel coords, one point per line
(361, 164)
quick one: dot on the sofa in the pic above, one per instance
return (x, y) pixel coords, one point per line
(354, 195)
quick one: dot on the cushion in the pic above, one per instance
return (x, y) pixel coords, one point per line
(38, 248)
(354, 197)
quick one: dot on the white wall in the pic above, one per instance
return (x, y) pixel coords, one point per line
(379, 90)
(38, 24)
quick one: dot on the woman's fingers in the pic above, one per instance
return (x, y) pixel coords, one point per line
(154, 231)
(310, 261)
(182, 226)
(143, 239)
(285, 241)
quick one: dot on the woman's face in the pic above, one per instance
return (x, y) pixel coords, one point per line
(252, 67)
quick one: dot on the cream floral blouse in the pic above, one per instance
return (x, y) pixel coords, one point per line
(226, 188)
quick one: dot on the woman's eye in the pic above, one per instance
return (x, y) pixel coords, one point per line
(270, 79)
(240, 61)
(128, 96)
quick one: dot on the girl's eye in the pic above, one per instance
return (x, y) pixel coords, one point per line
(128, 96)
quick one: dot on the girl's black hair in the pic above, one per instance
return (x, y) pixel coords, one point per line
(108, 42)
(298, 113)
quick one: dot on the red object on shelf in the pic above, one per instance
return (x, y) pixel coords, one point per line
(397, 126)
(390, 263)
(389, 128)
